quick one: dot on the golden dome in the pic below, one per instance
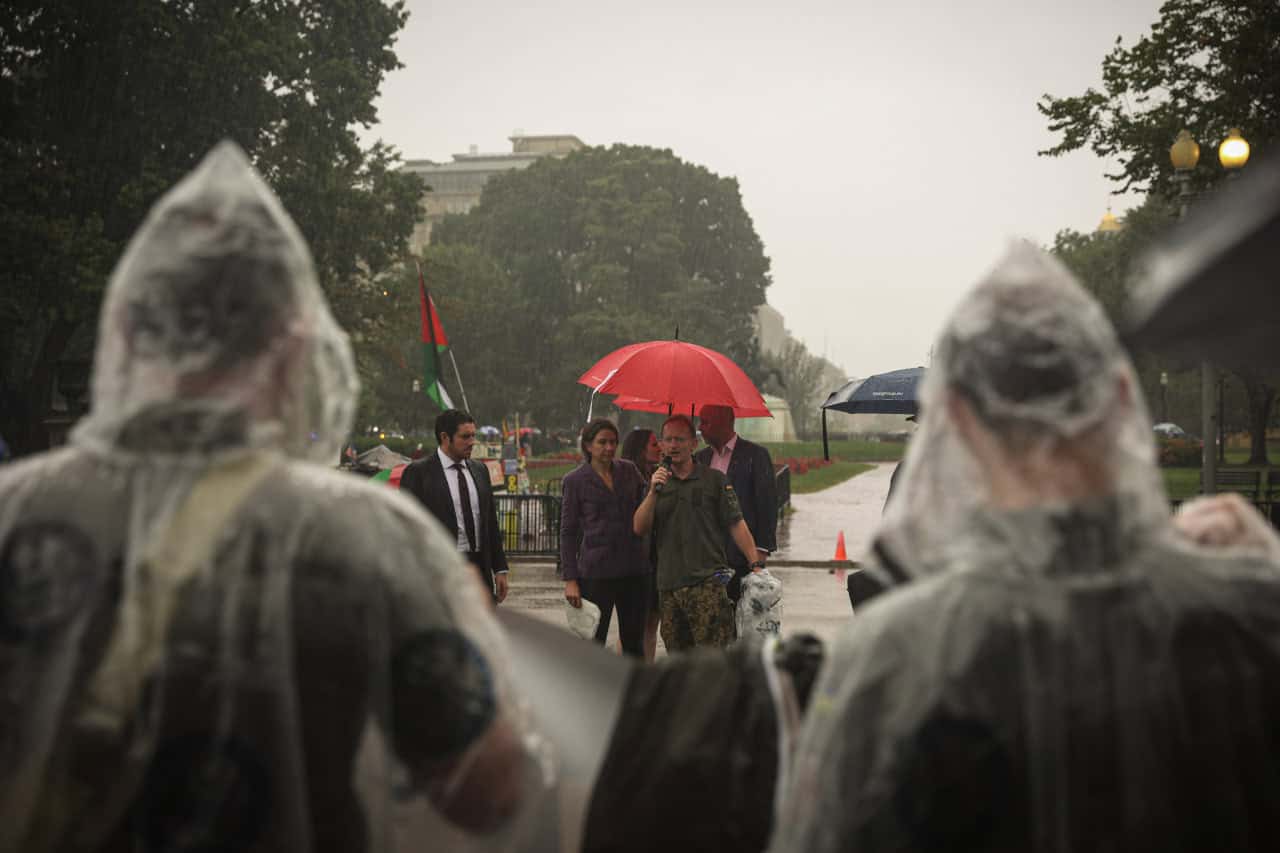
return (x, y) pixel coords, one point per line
(1110, 223)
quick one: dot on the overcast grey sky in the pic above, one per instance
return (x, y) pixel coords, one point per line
(886, 151)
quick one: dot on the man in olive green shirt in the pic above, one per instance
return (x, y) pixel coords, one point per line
(689, 508)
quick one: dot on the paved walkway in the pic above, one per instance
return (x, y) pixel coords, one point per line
(814, 599)
(853, 506)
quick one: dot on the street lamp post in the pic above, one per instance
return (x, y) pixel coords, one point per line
(1233, 153)
(1185, 154)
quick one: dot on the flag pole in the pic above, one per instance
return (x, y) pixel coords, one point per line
(461, 390)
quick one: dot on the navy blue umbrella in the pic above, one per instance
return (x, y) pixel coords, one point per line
(892, 393)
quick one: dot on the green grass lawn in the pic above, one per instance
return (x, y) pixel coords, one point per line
(1181, 483)
(538, 477)
(848, 450)
(825, 477)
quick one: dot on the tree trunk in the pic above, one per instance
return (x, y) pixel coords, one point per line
(1261, 397)
(36, 393)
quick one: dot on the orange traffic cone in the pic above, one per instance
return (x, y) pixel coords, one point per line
(840, 552)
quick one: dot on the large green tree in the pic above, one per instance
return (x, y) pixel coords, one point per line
(105, 105)
(481, 312)
(798, 376)
(609, 246)
(1206, 66)
(1106, 264)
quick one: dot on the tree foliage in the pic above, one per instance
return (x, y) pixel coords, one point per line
(606, 247)
(799, 377)
(480, 310)
(103, 106)
(1206, 65)
(1106, 264)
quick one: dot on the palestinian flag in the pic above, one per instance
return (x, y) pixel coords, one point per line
(434, 343)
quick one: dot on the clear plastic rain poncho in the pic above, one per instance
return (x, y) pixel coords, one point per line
(1058, 671)
(207, 643)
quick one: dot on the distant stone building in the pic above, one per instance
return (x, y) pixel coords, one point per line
(771, 330)
(773, 337)
(455, 187)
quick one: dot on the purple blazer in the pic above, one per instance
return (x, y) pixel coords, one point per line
(596, 538)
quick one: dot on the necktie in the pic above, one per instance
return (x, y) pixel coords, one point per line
(468, 522)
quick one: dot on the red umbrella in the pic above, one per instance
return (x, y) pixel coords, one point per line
(635, 404)
(673, 374)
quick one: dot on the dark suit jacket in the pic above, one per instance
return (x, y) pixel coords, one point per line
(425, 480)
(751, 475)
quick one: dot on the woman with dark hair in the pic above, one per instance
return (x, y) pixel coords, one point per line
(603, 559)
(642, 450)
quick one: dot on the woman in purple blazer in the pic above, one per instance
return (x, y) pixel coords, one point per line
(602, 558)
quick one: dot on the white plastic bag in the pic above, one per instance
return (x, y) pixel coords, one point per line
(760, 606)
(583, 620)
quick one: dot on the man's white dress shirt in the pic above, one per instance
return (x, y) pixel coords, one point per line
(451, 477)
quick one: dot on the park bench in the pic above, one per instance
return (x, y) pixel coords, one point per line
(1246, 483)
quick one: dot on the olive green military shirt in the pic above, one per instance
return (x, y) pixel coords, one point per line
(689, 526)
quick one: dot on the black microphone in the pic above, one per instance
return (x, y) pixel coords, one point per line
(666, 463)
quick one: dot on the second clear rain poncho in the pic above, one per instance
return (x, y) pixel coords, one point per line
(1058, 671)
(209, 643)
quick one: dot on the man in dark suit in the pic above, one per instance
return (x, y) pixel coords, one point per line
(749, 469)
(452, 486)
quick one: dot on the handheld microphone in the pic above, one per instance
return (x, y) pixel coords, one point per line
(666, 463)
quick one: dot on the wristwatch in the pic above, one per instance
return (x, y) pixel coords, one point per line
(758, 564)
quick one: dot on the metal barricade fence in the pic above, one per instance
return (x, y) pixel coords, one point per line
(530, 524)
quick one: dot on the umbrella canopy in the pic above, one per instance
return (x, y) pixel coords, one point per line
(675, 374)
(380, 457)
(635, 404)
(892, 393)
(1210, 289)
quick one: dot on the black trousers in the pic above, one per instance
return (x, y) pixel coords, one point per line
(630, 596)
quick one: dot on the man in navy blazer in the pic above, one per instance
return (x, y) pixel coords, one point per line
(749, 469)
(448, 481)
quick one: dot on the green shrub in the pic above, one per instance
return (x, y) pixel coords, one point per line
(1179, 452)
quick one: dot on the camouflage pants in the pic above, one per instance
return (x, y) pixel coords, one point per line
(699, 615)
